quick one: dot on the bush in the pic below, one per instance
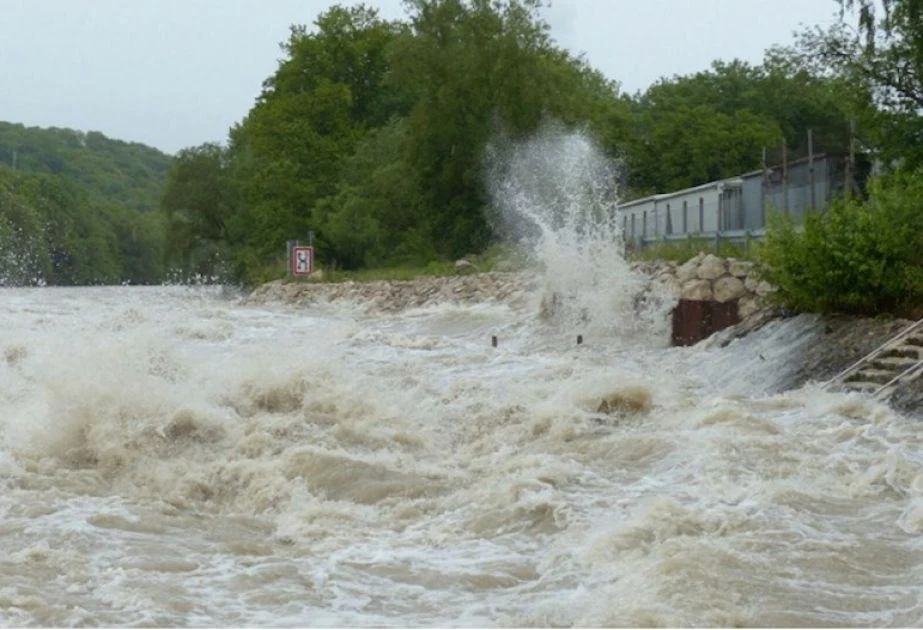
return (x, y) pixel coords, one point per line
(863, 257)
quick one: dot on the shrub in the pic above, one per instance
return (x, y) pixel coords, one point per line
(863, 257)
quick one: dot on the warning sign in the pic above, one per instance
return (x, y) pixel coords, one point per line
(302, 260)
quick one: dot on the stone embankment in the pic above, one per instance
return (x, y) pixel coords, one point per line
(708, 278)
(394, 296)
(704, 278)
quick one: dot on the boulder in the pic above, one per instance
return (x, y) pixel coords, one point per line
(687, 271)
(728, 288)
(696, 289)
(711, 267)
(740, 268)
(747, 306)
(764, 288)
(666, 284)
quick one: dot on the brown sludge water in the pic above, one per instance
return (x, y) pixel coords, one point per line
(171, 457)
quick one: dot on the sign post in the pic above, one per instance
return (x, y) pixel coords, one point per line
(302, 260)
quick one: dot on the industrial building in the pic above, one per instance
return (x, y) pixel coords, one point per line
(735, 204)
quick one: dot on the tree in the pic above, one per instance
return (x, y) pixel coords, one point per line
(199, 201)
(883, 58)
(714, 124)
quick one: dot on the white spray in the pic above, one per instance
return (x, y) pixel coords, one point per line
(555, 194)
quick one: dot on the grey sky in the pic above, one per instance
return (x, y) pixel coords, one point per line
(175, 73)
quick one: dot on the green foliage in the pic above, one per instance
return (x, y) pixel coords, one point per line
(198, 203)
(858, 257)
(53, 232)
(373, 135)
(881, 59)
(79, 208)
(129, 174)
(714, 124)
(682, 250)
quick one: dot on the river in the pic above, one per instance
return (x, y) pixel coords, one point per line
(171, 457)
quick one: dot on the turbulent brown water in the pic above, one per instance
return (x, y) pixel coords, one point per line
(172, 457)
(169, 457)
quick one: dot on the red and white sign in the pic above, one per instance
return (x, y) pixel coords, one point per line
(302, 260)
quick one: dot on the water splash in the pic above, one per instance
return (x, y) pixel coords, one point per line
(555, 195)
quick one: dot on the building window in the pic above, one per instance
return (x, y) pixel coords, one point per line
(632, 224)
(685, 217)
(644, 224)
(669, 221)
(701, 215)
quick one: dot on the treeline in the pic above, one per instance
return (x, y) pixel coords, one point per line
(864, 255)
(79, 208)
(372, 134)
(53, 231)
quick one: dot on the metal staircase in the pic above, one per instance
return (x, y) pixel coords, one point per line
(897, 361)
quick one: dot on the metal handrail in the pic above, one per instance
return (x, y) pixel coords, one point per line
(886, 345)
(894, 380)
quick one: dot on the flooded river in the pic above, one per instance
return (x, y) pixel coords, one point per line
(171, 457)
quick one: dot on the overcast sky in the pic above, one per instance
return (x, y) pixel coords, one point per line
(176, 73)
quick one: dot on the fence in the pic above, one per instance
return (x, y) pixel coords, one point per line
(735, 210)
(715, 240)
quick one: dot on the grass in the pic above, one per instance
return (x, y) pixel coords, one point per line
(681, 251)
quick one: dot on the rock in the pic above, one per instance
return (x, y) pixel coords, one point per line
(751, 282)
(728, 288)
(711, 267)
(764, 288)
(464, 264)
(687, 271)
(666, 283)
(696, 290)
(740, 268)
(747, 306)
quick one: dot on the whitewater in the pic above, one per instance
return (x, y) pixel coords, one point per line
(177, 456)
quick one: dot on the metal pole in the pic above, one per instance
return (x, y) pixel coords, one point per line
(290, 246)
(852, 157)
(811, 170)
(763, 192)
(785, 175)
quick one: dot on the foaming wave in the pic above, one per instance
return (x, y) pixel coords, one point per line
(556, 194)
